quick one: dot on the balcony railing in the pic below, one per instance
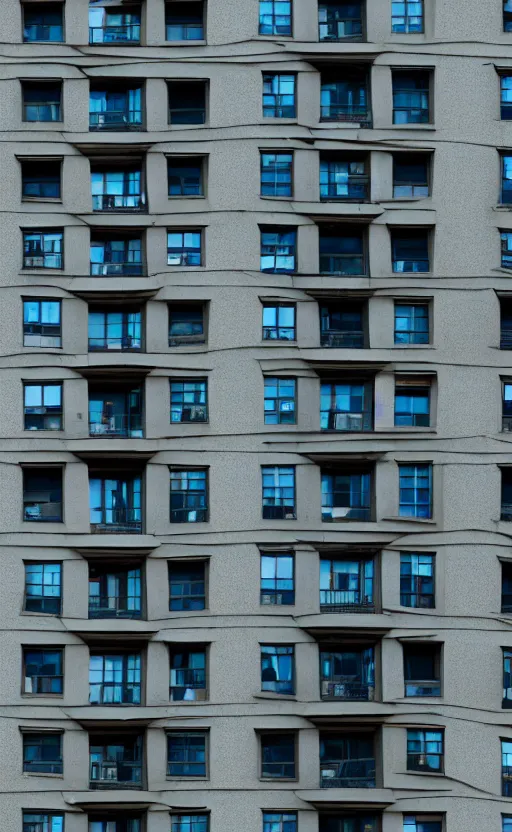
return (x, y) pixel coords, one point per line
(348, 690)
(342, 338)
(128, 269)
(126, 342)
(341, 264)
(114, 606)
(111, 693)
(121, 520)
(115, 775)
(345, 112)
(118, 202)
(348, 774)
(129, 33)
(506, 339)
(506, 511)
(344, 601)
(119, 424)
(343, 421)
(116, 120)
(43, 684)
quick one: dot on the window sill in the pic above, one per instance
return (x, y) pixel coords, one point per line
(279, 198)
(268, 342)
(42, 696)
(171, 779)
(411, 126)
(278, 779)
(412, 347)
(277, 120)
(43, 774)
(267, 694)
(43, 615)
(410, 429)
(188, 703)
(37, 199)
(429, 521)
(180, 43)
(426, 772)
(404, 199)
(186, 196)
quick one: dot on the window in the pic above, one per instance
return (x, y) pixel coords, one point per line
(411, 97)
(506, 249)
(410, 175)
(40, 179)
(346, 585)
(187, 102)
(423, 823)
(279, 822)
(415, 490)
(506, 493)
(279, 322)
(115, 679)
(506, 181)
(417, 580)
(279, 93)
(425, 750)
(275, 17)
(412, 405)
(42, 101)
(107, 25)
(187, 585)
(341, 250)
(277, 579)
(278, 492)
(276, 173)
(42, 822)
(343, 179)
(42, 753)
(505, 324)
(185, 174)
(506, 96)
(116, 256)
(347, 761)
(507, 15)
(42, 249)
(349, 823)
(184, 248)
(41, 323)
(338, 20)
(42, 670)
(344, 95)
(188, 673)
(184, 20)
(422, 669)
(410, 250)
(189, 401)
(114, 591)
(506, 767)
(117, 190)
(507, 406)
(506, 587)
(116, 107)
(507, 674)
(115, 761)
(189, 495)
(407, 16)
(186, 753)
(43, 587)
(278, 756)
(115, 330)
(411, 323)
(280, 401)
(346, 496)
(346, 407)
(348, 674)
(115, 502)
(278, 668)
(278, 249)
(42, 495)
(189, 823)
(42, 23)
(342, 325)
(187, 324)
(43, 406)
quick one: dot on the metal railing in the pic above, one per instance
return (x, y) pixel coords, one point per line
(126, 342)
(348, 774)
(127, 33)
(127, 269)
(345, 112)
(121, 520)
(116, 120)
(342, 264)
(117, 424)
(344, 601)
(111, 693)
(114, 606)
(115, 774)
(44, 684)
(343, 421)
(347, 690)
(118, 202)
(342, 338)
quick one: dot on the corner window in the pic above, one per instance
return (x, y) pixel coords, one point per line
(277, 579)
(425, 750)
(189, 401)
(279, 322)
(422, 669)
(278, 756)
(184, 21)
(42, 101)
(415, 490)
(278, 249)
(417, 580)
(279, 95)
(278, 668)
(42, 495)
(184, 247)
(43, 406)
(280, 401)
(276, 173)
(412, 323)
(411, 97)
(410, 249)
(185, 174)
(278, 492)
(43, 587)
(42, 249)
(43, 670)
(412, 404)
(42, 753)
(189, 495)
(407, 16)
(187, 754)
(275, 17)
(41, 179)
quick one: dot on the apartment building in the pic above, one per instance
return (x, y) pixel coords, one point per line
(255, 416)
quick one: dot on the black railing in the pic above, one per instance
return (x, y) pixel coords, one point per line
(128, 33)
(117, 424)
(116, 120)
(114, 606)
(343, 421)
(342, 338)
(120, 520)
(347, 690)
(118, 202)
(345, 112)
(348, 774)
(115, 774)
(344, 601)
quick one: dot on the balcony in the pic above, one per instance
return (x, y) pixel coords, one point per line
(348, 674)
(116, 257)
(115, 330)
(342, 325)
(344, 96)
(115, 763)
(126, 33)
(115, 503)
(115, 106)
(346, 496)
(115, 592)
(117, 413)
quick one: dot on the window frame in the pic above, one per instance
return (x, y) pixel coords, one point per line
(41, 736)
(356, 37)
(416, 580)
(57, 414)
(279, 232)
(187, 250)
(48, 817)
(202, 111)
(188, 41)
(423, 741)
(202, 160)
(188, 562)
(416, 488)
(421, 817)
(275, 15)
(343, 231)
(188, 471)
(410, 303)
(43, 233)
(26, 596)
(202, 648)
(292, 682)
(406, 16)
(278, 495)
(125, 685)
(286, 818)
(192, 339)
(277, 306)
(417, 391)
(274, 592)
(61, 6)
(437, 654)
(199, 821)
(42, 649)
(263, 741)
(275, 170)
(188, 406)
(277, 106)
(29, 469)
(44, 160)
(279, 399)
(401, 234)
(400, 91)
(27, 85)
(187, 734)
(411, 158)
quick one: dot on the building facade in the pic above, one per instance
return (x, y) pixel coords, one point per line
(255, 375)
